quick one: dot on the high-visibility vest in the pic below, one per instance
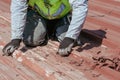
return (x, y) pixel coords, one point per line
(51, 9)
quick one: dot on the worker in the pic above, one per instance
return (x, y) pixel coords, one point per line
(35, 21)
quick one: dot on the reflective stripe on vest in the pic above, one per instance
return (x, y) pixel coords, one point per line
(51, 9)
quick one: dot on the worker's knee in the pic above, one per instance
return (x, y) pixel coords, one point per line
(62, 28)
(33, 43)
(61, 32)
(36, 37)
(35, 30)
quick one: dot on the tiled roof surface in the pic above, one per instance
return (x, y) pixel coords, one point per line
(97, 59)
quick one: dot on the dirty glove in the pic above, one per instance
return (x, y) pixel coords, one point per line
(66, 46)
(11, 47)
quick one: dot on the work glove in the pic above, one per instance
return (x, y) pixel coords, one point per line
(65, 46)
(11, 47)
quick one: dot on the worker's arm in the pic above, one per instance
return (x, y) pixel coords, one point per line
(18, 20)
(79, 12)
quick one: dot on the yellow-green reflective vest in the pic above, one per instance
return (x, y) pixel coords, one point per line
(51, 9)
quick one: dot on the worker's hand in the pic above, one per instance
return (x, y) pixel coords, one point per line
(66, 46)
(11, 47)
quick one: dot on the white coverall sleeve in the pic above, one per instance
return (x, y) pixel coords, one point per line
(18, 18)
(79, 12)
